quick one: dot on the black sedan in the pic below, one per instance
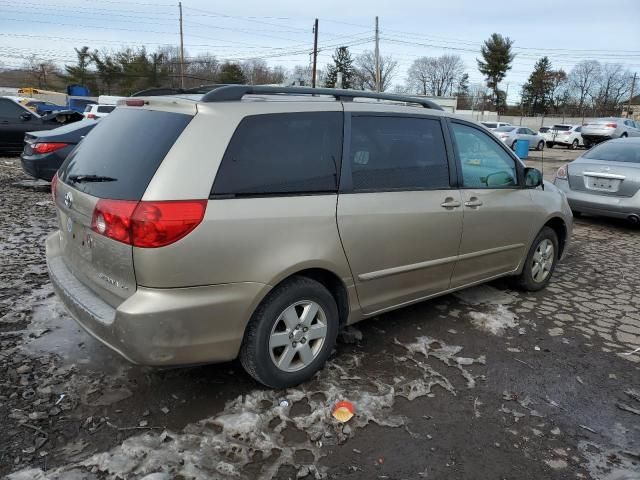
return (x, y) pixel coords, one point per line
(45, 151)
(15, 120)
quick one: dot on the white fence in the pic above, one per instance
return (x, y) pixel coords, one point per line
(532, 122)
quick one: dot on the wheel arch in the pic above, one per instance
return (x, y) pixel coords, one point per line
(558, 225)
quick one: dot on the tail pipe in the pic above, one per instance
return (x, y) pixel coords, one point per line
(634, 219)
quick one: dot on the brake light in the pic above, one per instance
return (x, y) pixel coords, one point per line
(54, 185)
(611, 125)
(91, 115)
(562, 173)
(147, 224)
(135, 103)
(47, 147)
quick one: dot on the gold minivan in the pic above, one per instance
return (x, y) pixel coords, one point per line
(257, 221)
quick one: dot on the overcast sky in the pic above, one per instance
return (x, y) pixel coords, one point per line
(281, 32)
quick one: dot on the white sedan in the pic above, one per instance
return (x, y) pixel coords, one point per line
(510, 135)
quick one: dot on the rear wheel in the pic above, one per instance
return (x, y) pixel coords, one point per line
(624, 135)
(540, 145)
(291, 334)
(540, 263)
(587, 144)
(574, 144)
(513, 145)
(550, 144)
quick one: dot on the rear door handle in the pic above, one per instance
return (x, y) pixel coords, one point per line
(473, 202)
(450, 203)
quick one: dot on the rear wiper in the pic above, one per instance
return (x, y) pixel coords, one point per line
(91, 178)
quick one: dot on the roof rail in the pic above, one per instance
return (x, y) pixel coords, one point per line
(161, 91)
(236, 92)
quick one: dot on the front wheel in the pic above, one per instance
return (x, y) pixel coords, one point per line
(291, 334)
(624, 135)
(540, 145)
(540, 262)
(513, 146)
(574, 144)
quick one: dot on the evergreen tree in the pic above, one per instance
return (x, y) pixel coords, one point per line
(537, 92)
(496, 61)
(462, 92)
(231, 73)
(80, 73)
(342, 62)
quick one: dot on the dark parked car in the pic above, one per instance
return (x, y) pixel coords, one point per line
(44, 108)
(16, 120)
(45, 151)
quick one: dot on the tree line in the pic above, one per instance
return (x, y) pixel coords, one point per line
(590, 87)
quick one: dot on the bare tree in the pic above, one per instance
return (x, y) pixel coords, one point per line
(365, 78)
(614, 84)
(41, 72)
(435, 76)
(583, 80)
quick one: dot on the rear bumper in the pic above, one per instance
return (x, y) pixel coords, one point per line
(41, 166)
(160, 327)
(605, 205)
(596, 137)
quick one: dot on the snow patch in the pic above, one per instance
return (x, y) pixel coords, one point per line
(495, 321)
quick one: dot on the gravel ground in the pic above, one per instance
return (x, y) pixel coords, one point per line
(485, 383)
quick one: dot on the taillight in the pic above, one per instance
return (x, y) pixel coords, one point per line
(134, 103)
(611, 125)
(147, 224)
(47, 147)
(54, 185)
(91, 115)
(562, 173)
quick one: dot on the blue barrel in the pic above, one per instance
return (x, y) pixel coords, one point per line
(522, 148)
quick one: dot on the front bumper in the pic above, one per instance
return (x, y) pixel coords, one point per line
(160, 327)
(605, 205)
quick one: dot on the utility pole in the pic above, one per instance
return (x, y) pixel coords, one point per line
(315, 54)
(181, 49)
(633, 86)
(377, 57)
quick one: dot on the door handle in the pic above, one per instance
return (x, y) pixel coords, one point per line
(473, 202)
(450, 202)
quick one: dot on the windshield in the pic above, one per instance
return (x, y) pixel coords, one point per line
(544, 129)
(505, 129)
(615, 152)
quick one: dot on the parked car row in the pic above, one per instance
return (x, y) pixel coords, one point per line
(511, 134)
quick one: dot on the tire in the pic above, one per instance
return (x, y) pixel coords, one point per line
(550, 144)
(267, 328)
(576, 213)
(529, 280)
(624, 135)
(587, 144)
(513, 146)
(574, 144)
(540, 145)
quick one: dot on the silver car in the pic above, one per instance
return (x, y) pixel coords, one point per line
(596, 131)
(510, 135)
(605, 180)
(493, 125)
(255, 222)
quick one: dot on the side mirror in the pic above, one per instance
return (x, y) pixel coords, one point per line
(532, 177)
(25, 117)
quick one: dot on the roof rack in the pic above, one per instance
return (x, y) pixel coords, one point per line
(236, 92)
(161, 91)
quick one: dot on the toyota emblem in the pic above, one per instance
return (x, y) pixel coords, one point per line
(68, 199)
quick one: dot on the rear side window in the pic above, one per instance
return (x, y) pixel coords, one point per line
(10, 109)
(615, 152)
(283, 153)
(397, 153)
(124, 151)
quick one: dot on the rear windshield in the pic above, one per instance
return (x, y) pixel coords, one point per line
(544, 129)
(562, 128)
(124, 150)
(107, 109)
(490, 125)
(504, 129)
(616, 152)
